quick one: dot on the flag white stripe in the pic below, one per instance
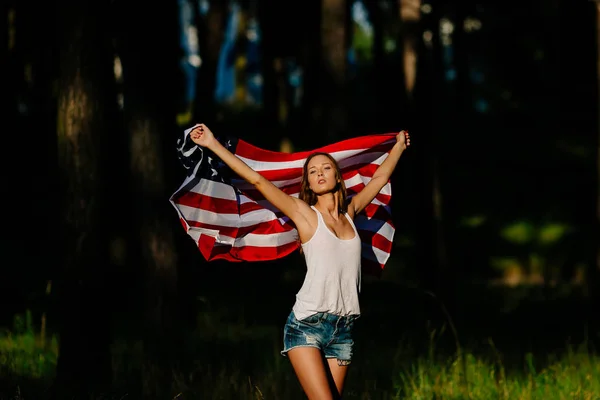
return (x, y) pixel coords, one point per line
(380, 255)
(252, 239)
(375, 225)
(229, 220)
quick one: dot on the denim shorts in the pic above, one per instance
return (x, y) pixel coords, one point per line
(328, 332)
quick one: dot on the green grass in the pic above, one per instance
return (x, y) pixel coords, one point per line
(238, 361)
(575, 376)
(25, 352)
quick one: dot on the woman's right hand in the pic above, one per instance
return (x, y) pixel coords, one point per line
(202, 136)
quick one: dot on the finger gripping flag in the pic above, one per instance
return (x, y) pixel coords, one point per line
(229, 219)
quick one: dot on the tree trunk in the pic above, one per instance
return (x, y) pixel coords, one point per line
(210, 36)
(84, 95)
(331, 105)
(333, 44)
(455, 110)
(301, 128)
(270, 26)
(150, 66)
(410, 15)
(11, 71)
(595, 275)
(430, 243)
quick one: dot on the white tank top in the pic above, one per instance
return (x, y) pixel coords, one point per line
(333, 280)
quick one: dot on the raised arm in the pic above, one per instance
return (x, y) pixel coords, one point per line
(380, 177)
(291, 206)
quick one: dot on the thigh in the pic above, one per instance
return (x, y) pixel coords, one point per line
(311, 372)
(338, 370)
(339, 352)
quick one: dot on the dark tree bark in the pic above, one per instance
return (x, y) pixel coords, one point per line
(428, 85)
(331, 105)
(29, 105)
(394, 72)
(149, 53)
(210, 36)
(11, 69)
(311, 37)
(579, 111)
(410, 14)
(594, 279)
(454, 110)
(84, 94)
(302, 128)
(270, 24)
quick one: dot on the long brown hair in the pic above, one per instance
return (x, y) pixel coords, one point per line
(306, 193)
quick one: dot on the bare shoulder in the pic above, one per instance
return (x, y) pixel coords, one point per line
(351, 211)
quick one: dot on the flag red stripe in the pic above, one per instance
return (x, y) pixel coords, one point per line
(246, 150)
(255, 253)
(244, 253)
(376, 240)
(212, 204)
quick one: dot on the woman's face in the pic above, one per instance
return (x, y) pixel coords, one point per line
(321, 174)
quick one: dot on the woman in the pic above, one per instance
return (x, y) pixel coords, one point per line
(320, 324)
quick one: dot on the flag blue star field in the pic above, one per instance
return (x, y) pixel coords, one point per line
(229, 219)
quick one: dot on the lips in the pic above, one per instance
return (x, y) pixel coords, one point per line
(320, 181)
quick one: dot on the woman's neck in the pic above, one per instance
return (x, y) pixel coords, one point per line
(328, 204)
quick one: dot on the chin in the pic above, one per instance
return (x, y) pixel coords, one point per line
(324, 191)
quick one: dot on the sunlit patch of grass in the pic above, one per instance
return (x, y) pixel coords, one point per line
(576, 375)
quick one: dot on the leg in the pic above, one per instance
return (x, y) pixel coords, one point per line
(311, 372)
(338, 372)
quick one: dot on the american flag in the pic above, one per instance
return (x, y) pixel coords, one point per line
(229, 219)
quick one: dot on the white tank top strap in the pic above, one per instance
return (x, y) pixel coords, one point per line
(351, 222)
(320, 219)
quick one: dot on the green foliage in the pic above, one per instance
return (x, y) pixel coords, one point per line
(552, 232)
(25, 353)
(524, 232)
(533, 252)
(362, 42)
(473, 221)
(520, 232)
